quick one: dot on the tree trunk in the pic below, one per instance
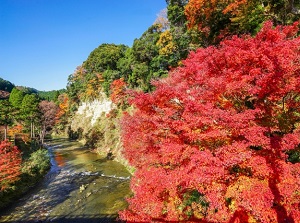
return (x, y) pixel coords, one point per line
(5, 132)
(43, 133)
(31, 129)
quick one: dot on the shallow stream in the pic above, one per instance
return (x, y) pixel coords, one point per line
(80, 187)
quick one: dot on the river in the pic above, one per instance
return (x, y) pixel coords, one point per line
(81, 186)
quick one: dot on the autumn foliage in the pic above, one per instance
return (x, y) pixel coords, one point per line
(213, 142)
(195, 9)
(215, 20)
(63, 107)
(118, 91)
(10, 164)
(17, 129)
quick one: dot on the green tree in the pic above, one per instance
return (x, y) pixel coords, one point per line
(6, 115)
(145, 48)
(147, 62)
(109, 76)
(125, 65)
(75, 84)
(30, 112)
(183, 40)
(104, 57)
(50, 95)
(16, 98)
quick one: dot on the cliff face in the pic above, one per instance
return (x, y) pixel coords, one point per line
(88, 117)
(88, 112)
(96, 123)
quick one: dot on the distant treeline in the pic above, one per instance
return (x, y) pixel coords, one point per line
(44, 95)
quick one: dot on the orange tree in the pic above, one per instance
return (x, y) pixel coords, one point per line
(214, 141)
(118, 92)
(10, 164)
(63, 109)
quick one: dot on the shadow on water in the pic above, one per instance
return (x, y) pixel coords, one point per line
(62, 143)
(77, 219)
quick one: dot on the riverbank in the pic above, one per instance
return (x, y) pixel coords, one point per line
(81, 186)
(35, 165)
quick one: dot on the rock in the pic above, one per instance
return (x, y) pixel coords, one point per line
(82, 188)
(88, 194)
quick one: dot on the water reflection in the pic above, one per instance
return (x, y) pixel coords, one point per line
(59, 159)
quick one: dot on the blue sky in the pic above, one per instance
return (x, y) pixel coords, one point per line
(43, 41)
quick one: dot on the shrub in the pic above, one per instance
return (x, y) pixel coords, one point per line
(10, 164)
(37, 164)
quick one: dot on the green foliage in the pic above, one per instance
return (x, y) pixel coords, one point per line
(29, 112)
(75, 85)
(294, 155)
(176, 14)
(29, 106)
(192, 199)
(184, 40)
(251, 22)
(37, 164)
(145, 62)
(50, 95)
(6, 112)
(16, 97)
(125, 63)
(144, 48)
(23, 109)
(109, 76)
(105, 57)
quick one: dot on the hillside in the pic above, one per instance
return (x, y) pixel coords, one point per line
(6, 85)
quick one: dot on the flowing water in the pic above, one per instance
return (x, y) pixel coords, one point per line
(80, 187)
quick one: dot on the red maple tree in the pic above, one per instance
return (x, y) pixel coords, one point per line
(10, 164)
(212, 142)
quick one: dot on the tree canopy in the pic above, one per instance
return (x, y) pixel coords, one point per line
(16, 97)
(48, 111)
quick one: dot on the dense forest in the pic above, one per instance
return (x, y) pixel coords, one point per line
(206, 113)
